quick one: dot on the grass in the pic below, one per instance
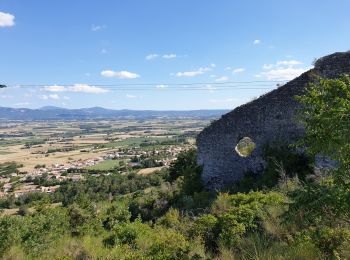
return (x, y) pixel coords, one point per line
(104, 166)
(8, 168)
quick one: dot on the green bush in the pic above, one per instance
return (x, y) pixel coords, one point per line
(330, 241)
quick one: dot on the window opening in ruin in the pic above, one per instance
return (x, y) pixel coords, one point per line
(245, 147)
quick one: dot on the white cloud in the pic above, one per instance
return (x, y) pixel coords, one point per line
(54, 96)
(282, 63)
(235, 70)
(96, 28)
(169, 56)
(221, 79)
(213, 65)
(193, 73)
(282, 70)
(55, 88)
(282, 73)
(51, 96)
(82, 88)
(151, 56)
(289, 62)
(6, 19)
(119, 74)
(255, 42)
(66, 98)
(238, 70)
(161, 86)
(130, 96)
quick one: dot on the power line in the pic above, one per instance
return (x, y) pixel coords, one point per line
(193, 86)
(151, 84)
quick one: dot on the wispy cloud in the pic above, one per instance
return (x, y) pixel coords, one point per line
(55, 88)
(161, 86)
(288, 62)
(96, 28)
(152, 56)
(7, 20)
(255, 42)
(78, 88)
(282, 73)
(235, 70)
(282, 70)
(119, 74)
(238, 70)
(169, 56)
(51, 96)
(54, 96)
(193, 73)
(222, 79)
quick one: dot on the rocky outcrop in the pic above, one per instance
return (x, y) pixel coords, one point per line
(266, 120)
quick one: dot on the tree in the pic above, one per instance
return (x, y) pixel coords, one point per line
(326, 116)
(184, 161)
(321, 209)
(186, 166)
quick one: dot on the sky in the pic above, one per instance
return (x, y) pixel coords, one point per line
(163, 55)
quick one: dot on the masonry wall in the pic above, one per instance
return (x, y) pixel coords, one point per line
(268, 119)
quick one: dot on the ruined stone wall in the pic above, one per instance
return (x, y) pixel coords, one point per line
(268, 119)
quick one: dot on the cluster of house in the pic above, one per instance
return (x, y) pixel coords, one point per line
(168, 154)
(56, 171)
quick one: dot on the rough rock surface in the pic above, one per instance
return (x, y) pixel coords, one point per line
(268, 119)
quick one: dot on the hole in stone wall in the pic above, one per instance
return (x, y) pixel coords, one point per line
(245, 147)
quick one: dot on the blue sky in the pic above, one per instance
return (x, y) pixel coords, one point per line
(67, 49)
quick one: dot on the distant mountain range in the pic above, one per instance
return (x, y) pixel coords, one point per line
(58, 113)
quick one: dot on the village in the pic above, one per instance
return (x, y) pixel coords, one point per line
(123, 160)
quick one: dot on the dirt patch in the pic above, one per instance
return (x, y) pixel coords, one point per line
(149, 170)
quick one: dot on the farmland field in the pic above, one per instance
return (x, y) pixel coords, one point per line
(44, 151)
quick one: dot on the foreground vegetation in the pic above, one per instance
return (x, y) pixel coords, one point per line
(288, 212)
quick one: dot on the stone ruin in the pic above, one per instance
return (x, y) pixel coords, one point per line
(270, 118)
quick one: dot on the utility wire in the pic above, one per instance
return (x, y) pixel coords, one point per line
(151, 84)
(194, 86)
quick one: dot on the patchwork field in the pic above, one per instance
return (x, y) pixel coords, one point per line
(49, 143)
